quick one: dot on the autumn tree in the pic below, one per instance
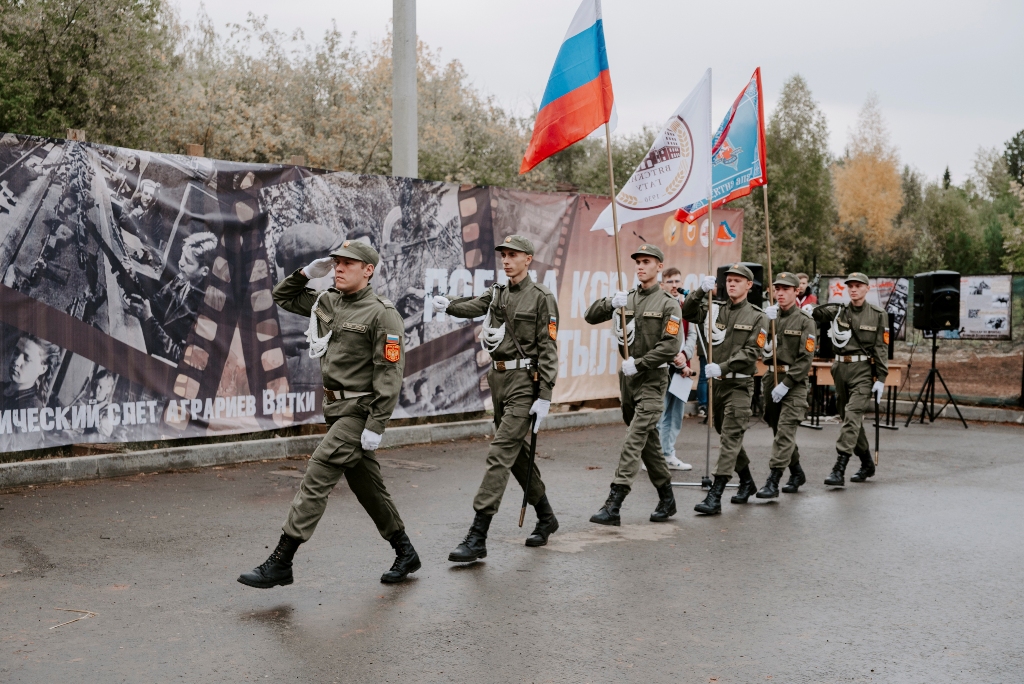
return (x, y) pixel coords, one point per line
(868, 189)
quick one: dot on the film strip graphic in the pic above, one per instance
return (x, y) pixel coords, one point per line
(238, 302)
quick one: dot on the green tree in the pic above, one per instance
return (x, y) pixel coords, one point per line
(92, 65)
(801, 206)
(1014, 156)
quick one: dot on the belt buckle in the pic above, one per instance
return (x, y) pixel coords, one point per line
(499, 365)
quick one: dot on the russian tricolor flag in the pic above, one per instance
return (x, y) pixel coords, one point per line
(578, 98)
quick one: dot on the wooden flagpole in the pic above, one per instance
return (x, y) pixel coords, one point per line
(771, 284)
(710, 324)
(615, 228)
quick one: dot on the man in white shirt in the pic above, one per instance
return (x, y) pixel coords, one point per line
(672, 418)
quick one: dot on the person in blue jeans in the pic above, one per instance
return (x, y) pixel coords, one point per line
(671, 421)
(702, 390)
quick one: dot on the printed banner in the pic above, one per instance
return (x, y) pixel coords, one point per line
(136, 295)
(985, 305)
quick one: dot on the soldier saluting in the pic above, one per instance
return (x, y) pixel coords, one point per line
(860, 336)
(737, 335)
(357, 335)
(789, 362)
(652, 335)
(519, 332)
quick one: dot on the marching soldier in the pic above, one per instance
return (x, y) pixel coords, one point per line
(357, 336)
(860, 336)
(519, 332)
(737, 337)
(786, 402)
(653, 342)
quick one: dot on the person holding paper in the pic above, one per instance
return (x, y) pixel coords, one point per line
(785, 383)
(679, 372)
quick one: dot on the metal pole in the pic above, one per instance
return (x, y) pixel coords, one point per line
(771, 284)
(615, 228)
(404, 142)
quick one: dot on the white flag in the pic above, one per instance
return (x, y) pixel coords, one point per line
(676, 171)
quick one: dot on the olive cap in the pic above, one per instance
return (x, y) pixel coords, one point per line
(358, 250)
(786, 278)
(516, 242)
(857, 277)
(648, 250)
(740, 270)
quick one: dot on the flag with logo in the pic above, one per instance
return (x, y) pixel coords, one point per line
(676, 171)
(578, 98)
(737, 153)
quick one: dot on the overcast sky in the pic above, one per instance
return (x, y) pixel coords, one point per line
(949, 75)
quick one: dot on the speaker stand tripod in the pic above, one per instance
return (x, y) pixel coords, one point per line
(926, 397)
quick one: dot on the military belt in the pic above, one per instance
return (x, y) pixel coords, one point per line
(782, 367)
(511, 365)
(731, 376)
(853, 359)
(337, 395)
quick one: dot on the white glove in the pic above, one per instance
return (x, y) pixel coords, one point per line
(772, 312)
(619, 299)
(540, 409)
(779, 392)
(708, 284)
(369, 440)
(629, 367)
(319, 268)
(441, 304)
(877, 389)
(713, 370)
(808, 308)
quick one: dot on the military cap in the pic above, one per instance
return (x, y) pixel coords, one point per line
(358, 250)
(740, 270)
(786, 278)
(516, 242)
(648, 250)
(857, 277)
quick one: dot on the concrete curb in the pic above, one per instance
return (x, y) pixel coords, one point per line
(79, 468)
(982, 414)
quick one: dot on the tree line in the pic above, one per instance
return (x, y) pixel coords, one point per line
(132, 73)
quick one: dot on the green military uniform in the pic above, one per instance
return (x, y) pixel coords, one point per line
(533, 311)
(362, 374)
(860, 360)
(654, 345)
(742, 333)
(795, 333)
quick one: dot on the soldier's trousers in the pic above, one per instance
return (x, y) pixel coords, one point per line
(643, 400)
(784, 419)
(731, 405)
(512, 395)
(340, 453)
(853, 398)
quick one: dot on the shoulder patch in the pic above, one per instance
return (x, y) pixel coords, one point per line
(762, 337)
(553, 327)
(392, 349)
(672, 327)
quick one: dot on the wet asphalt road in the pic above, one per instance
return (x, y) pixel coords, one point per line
(913, 577)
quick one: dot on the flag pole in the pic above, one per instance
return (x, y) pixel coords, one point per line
(615, 226)
(708, 350)
(771, 284)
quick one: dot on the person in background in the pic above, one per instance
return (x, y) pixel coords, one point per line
(702, 380)
(672, 417)
(805, 299)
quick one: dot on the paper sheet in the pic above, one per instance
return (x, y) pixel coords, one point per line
(680, 386)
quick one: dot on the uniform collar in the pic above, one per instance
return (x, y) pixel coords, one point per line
(787, 312)
(649, 290)
(742, 303)
(521, 285)
(858, 309)
(357, 296)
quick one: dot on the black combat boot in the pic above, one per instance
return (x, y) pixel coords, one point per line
(666, 506)
(867, 468)
(747, 487)
(836, 478)
(406, 559)
(474, 546)
(771, 487)
(712, 504)
(546, 523)
(276, 570)
(796, 478)
(609, 513)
